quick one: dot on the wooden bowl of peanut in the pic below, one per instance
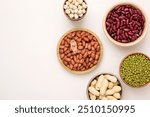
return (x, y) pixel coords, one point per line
(79, 51)
(104, 87)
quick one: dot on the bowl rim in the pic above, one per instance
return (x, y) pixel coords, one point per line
(139, 39)
(121, 66)
(78, 18)
(100, 57)
(96, 76)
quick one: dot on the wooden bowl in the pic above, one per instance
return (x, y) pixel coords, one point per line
(121, 75)
(71, 18)
(86, 71)
(130, 43)
(87, 91)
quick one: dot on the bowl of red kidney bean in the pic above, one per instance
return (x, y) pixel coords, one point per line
(125, 24)
(79, 51)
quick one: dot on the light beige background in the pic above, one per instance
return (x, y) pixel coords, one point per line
(29, 33)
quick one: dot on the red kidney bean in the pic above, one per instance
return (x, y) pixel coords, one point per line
(131, 33)
(125, 23)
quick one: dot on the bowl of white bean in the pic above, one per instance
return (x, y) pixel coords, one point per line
(75, 9)
(105, 86)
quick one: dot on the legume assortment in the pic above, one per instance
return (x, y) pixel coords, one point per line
(125, 23)
(135, 70)
(80, 50)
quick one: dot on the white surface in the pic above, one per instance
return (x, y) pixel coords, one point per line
(29, 33)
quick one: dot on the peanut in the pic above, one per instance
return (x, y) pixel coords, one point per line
(111, 78)
(93, 83)
(117, 95)
(111, 98)
(92, 97)
(101, 88)
(76, 49)
(93, 91)
(104, 87)
(99, 83)
(110, 85)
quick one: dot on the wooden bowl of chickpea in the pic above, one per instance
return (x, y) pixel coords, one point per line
(75, 9)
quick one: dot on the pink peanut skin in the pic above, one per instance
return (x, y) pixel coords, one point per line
(88, 54)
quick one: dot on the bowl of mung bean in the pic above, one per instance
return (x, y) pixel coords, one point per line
(135, 70)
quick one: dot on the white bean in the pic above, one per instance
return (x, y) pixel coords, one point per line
(83, 3)
(79, 7)
(70, 1)
(72, 11)
(80, 1)
(76, 11)
(76, 16)
(67, 11)
(71, 16)
(66, 7)
(83, 11)
(80, 12)
(74, 7)
(80, 15)
(84, 6)
(76, 3)
(67, 3)
(71, 6)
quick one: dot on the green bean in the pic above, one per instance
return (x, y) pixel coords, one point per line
(135, 70)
